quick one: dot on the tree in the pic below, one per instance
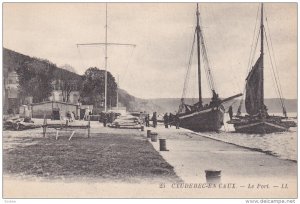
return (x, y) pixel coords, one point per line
(68, 68)
(93, 88)
(35, 77)
(67, 82)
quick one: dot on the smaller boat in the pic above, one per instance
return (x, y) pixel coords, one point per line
(258, 120)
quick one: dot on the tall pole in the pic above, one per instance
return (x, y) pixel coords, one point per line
(262, 55)
(105, 99)
(198, 54)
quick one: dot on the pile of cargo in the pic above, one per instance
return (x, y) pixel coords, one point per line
(127, 122)
(17, 123)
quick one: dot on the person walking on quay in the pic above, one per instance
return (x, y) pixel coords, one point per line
(171, 119)
(166, 120)
(177, 121)
(104, 120)
(147, 119)
(154, 119)
(230, 112)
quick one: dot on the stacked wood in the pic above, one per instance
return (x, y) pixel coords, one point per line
(127, 122)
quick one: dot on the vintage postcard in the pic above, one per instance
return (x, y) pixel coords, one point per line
(150, 100)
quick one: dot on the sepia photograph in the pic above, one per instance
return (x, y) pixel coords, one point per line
(149, 100)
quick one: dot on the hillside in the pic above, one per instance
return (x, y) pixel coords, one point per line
(136, 104)
(13, 60)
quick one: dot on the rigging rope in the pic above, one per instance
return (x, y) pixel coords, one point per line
(276, 80)
(128, 62)
(189, 68)
(80, 56)
(251, 57)
(276, 70)
(206, 59)
(251, 50)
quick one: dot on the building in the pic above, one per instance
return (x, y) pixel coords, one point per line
(54, 109)
(58, 96)
(11, 95)
(57, 93)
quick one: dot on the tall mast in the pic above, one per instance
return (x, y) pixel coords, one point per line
(105, 98)
(262, 55)
(106, 44)
(198, 55)
(118, 94)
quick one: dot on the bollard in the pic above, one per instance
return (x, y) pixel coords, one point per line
(142, 128)
(148, 133)
(153, 137)
(162, 145)
(213, 176)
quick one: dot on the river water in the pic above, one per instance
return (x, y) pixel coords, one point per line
(281, 144)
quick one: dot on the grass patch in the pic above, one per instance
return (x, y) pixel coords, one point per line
(124, 158)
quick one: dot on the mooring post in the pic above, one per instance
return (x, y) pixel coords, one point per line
(162, 145)
(154, 137)
(213, 176)
(148, 133)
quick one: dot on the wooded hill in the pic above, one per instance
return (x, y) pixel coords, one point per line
(35, 76)
(13, 60)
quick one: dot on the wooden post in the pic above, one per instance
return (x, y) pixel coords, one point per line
(72, 135)
(44, 126)
(56, 135)
(89, 127)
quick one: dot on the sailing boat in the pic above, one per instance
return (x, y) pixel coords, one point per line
(199, 117)
(258, 121)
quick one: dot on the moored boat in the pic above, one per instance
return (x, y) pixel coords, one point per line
(200, 117)
(258, 120)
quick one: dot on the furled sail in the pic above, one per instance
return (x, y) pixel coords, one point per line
(254, 89)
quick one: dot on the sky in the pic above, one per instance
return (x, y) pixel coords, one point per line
(163, 35)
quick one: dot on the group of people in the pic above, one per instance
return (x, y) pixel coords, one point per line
(70, 116)
(169, 120)
(154, 120)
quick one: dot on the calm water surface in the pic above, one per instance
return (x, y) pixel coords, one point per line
(281, 144)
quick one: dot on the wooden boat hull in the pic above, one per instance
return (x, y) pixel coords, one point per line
(210, 119)
(260, 126)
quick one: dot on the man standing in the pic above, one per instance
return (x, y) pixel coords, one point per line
(154, 119)
(104, 120)
(177, 121)
(147, 118)
(230, 112)
(166, 120)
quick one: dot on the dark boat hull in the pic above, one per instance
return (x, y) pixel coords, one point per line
(259, 126)
(210, 119)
